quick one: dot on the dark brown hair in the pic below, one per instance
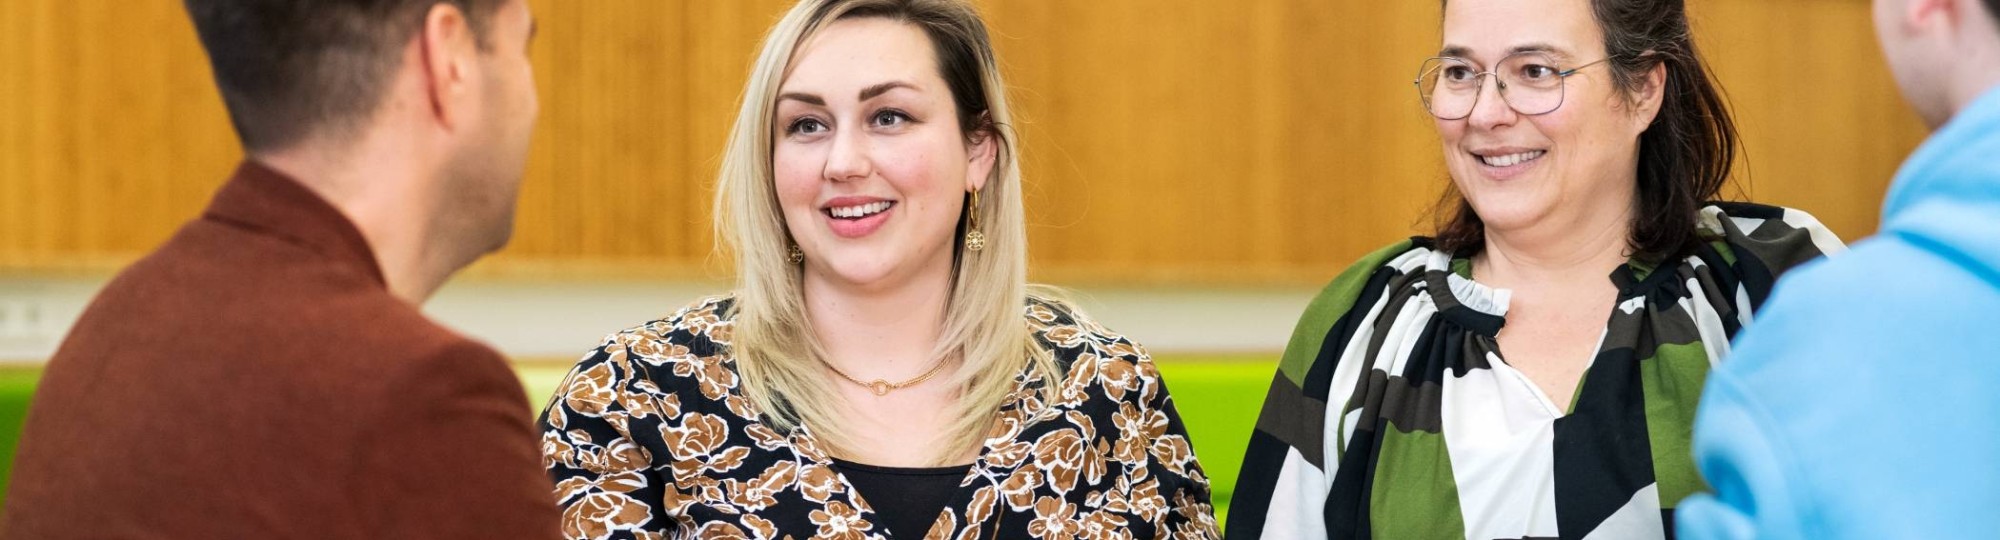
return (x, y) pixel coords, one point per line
(1684, 156)
(292, 68)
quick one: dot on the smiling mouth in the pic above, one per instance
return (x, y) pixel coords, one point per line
(1509, 160)
(858, 211)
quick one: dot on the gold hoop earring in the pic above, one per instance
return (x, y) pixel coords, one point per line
(974, 239)
(795, 255)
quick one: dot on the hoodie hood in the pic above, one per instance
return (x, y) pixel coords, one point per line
(1947, 197)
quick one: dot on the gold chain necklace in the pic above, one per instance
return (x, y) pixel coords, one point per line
(881, 387)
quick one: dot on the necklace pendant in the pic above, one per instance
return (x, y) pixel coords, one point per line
(880, 387)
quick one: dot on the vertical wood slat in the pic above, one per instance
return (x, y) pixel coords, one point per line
(1165, 140)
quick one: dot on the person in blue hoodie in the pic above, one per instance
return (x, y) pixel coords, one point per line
(1864, 402)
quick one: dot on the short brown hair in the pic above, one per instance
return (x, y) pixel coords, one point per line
(1684, 157)
(292, 68)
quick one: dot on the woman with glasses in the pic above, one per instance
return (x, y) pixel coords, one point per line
(1532, 370)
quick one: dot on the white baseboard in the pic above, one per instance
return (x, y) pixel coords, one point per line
(555, 319)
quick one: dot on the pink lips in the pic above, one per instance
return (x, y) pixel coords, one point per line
(855, 227)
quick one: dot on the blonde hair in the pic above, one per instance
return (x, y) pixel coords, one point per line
(776, 351)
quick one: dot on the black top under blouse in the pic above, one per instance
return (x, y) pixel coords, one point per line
(909, 499)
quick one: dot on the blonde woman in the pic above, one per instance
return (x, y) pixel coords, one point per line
(881, 370)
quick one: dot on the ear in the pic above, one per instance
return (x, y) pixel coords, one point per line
(980, 155)
(448, 50)
(1920, 15)
(1648, 97)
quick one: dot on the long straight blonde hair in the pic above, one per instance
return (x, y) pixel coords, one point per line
(776, 351)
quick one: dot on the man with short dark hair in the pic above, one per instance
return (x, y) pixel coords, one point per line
(1864, 402)
(267, 373)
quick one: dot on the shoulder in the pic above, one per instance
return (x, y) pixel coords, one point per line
(1881, 337)
(1062, 326)
(1094, 360)
(1367, 277)
(647, 355)
(367, 338)
(1775, 237)
(414, 362)
(457, 381)
(701, 328)
(1850, 325)
(1340, 294)
(684, 352)
(1882, 297)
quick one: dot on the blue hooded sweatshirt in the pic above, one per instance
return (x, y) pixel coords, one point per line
(1864, 400)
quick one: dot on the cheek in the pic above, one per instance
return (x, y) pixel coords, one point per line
(1598, 136)
(1450, 132)
(796, 173)
(1595, 149)
(931, 183)
(920, 168)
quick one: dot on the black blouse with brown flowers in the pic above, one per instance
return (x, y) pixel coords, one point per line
(650, 437)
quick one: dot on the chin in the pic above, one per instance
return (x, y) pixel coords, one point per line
(1507, 213)
(503, 235)
(857, 270)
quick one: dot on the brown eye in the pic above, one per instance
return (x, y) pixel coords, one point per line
(1538, 72)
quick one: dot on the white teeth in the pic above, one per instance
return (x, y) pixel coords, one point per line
(1510, 160)
(859, 210)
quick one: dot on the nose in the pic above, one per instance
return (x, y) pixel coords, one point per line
(1491, 109)
(848, 159)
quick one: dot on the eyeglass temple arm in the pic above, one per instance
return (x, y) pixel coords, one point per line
(1572, 71)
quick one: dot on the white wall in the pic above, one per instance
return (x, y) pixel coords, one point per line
(555, 320)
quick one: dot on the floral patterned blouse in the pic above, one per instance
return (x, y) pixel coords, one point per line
(651, 437)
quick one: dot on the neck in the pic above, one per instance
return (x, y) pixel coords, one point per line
(1565, 253)
(379, 183)
(1981, 77)
(888, 333)
(1963, 69)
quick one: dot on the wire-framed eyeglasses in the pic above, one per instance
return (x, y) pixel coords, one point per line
(1531, 82)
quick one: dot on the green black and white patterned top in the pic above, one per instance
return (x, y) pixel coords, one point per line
(1395, 415)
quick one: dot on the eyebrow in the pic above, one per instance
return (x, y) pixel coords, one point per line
(1460, 51)
(866, 94)
(873, 91)
(807, 98)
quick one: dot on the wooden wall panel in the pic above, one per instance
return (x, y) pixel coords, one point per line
(1165, 140)
(637, 99)
(110, 131)
(1249, 142)
(1823, 125)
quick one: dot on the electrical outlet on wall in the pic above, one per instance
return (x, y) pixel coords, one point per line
(26, 331)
